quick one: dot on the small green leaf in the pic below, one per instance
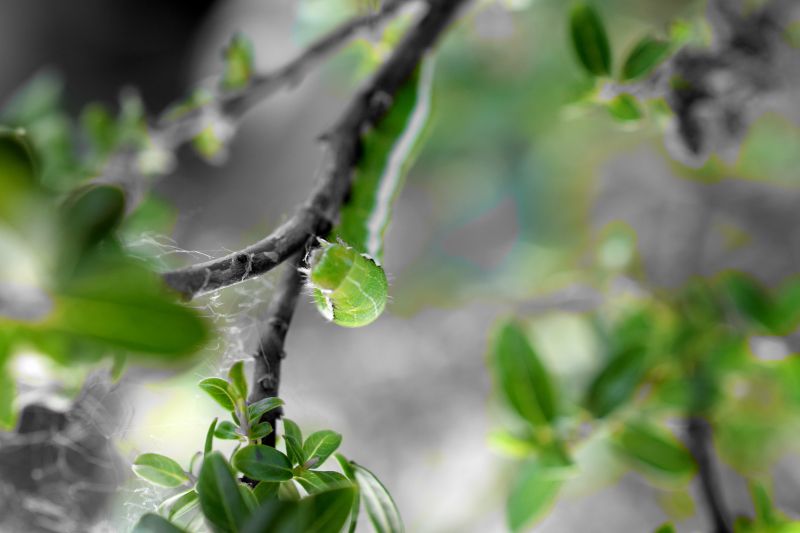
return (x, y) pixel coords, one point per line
(765, 514)
(90, 214)
(152, 523)
(317, 481)
(220, 391)
(179, 505)
(291, 428)
(327, 511)
(320, 445)
(208, 144)
(616, 382)
(665, 528)
(222, 503)
(237, 379)
(750, 298)
(263, 463)
(380, 506)
(18, 181)
(159, 470)
(589, 40)
(534, 491)
(654, 449)
(238, 63)
(624, 108)
(227, 430)
(259, 431)
(523, 379)
(210, 437)
(645, 56)
(257, 409)
(287, 491)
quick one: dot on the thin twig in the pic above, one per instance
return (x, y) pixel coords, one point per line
(270, 353)
(343, 141)
(699, 441)
(169, 133)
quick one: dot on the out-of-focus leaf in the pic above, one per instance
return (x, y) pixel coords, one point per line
(238, 63)
(18, 183)
(152, 523)
(619, 378)
(749, 297)
(765, 514)
(589, 40)
(219, 390)
(266, 490)
(324, 512)
(320, 480)
(100, 128)
(521, 376)
(8, 388)
(535, 489)
(179, 505)
(512, 445)
(381, 509)
(263, 463)
(665, 528)
(646, 55)
(209, 445)
(249, 498)
(90, 215)
(159, 470)
(656, 449)
(151, 215)
(226, 430)
(222, 503)
(209, 145)
(624, 108)
(287, 491)
(320, 445)
(237, 379)
(387, 153)
(257, 409)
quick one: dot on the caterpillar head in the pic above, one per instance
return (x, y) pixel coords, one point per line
(349, 288)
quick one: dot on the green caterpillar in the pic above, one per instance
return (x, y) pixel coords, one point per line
(348, 283)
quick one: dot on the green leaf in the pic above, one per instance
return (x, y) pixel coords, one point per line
(210, 437)
(380, 506)
(263, 463)
(223, 505)
(324, 512)
(220, 391)
(116, 300)
(18, 181)
(523, 379)
(159, 470)
(152, 523)
(665, 528)
(765, 514)
(589, 40)
(387, 152)
(646, 55)
(319, 446)
(89, 215)
(350, 473)
(179, 505)
(257, 409)
(616, 382)
(8, 389)
(227, 430)
(261, 430)
(624, 108)
(294, 442)
(237, 379)
(249, 498)
(287, 491)
(238, 63)
(208, 144)
(655, 449)
(317, 481)
(534, 491)
(266, 490)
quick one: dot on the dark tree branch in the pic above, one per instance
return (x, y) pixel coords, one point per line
(267, 371)
(699, 441)
(343, 142)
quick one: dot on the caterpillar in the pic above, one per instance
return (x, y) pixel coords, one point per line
(346, 277)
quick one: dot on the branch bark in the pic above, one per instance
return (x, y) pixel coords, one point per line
(699, 441)
(270, 353)
(343, 141)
